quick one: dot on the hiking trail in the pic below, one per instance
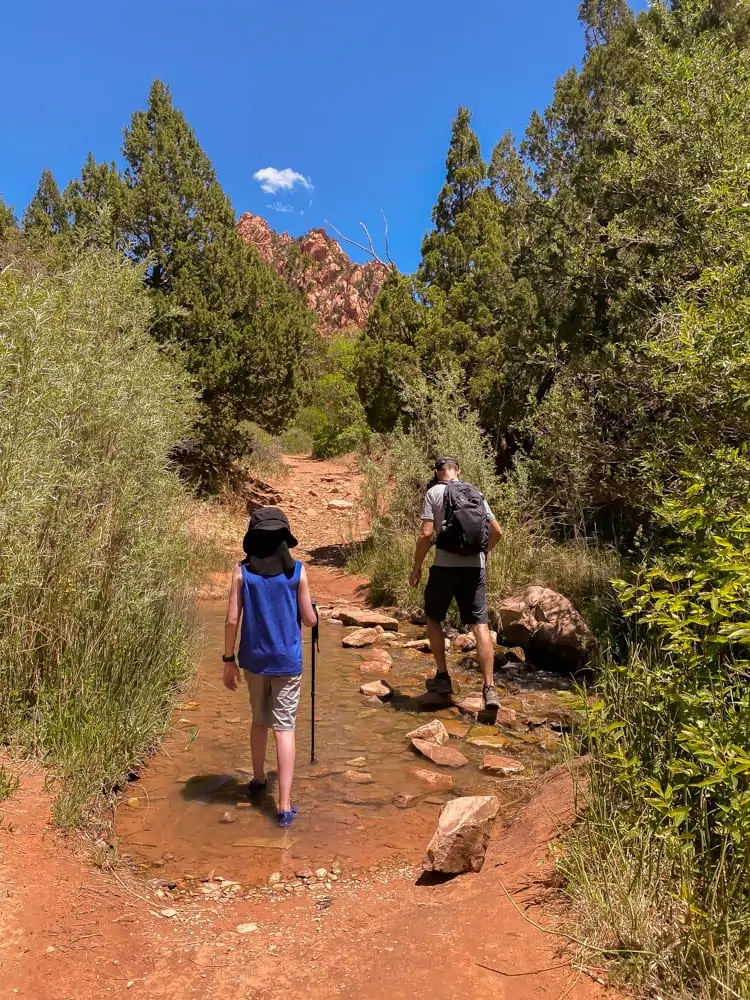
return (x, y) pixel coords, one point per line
(70, 931)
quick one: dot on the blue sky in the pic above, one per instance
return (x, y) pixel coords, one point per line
(356, 98)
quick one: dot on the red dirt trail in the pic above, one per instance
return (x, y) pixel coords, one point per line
(69, 931)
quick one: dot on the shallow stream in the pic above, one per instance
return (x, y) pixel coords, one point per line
(189, 815)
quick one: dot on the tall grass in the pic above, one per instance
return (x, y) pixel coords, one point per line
(95, 564)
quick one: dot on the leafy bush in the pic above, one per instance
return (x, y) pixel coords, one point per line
(95, 563)
(670, 786)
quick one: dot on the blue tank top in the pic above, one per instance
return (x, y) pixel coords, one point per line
(271, 636)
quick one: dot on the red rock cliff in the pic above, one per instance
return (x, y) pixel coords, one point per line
(338, 290)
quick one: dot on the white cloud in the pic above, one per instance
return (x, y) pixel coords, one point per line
(272, 180)
(280, 206)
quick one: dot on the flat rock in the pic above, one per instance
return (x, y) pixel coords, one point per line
(366, 619)
(359, 777)
(281, 842)
(433, 778)
(445, 756)
(506, 717)
(456, 729)
(460, 841)
(337, 504)
(377, 689)
(432, 732)
(362, 637)
(374, 667)
(490, 742)
(472, 703)
(377, 654)
(497, 764)
(423, 645)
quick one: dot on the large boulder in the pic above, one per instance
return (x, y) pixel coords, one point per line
(365, 619)
(463, 832)
(547, 626)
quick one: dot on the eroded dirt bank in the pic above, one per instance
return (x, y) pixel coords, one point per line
(69, 931)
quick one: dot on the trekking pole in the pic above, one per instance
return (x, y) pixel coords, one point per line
(314, 648)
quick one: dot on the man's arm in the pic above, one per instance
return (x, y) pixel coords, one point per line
(423, 546)
(496, 533)
(231, 624)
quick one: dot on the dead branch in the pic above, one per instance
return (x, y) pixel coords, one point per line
(369, 250)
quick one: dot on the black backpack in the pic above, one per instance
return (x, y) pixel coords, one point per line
(466, 527)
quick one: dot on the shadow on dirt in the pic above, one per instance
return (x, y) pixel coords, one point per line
(333, 556)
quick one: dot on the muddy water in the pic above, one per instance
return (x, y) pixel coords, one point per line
(189, 813)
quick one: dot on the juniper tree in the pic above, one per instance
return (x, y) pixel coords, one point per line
(244, 335)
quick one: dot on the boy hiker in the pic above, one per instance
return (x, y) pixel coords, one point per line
(464, 528)
(270, 598)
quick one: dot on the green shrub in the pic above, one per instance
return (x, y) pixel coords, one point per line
(669, 803)
(95, 562)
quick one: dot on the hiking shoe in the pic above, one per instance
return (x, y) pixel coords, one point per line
(256, 787)
(441, 683)
(286, 818)
(489, 694)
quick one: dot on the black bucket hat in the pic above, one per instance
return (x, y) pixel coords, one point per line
(272, 519)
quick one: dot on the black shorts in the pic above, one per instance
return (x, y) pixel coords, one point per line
(466, 584)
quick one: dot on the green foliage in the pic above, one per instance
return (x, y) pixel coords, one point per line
(46, 214)
(671, 767)
(335, 420)
(95, 569)
(243, 335)
(8, 221)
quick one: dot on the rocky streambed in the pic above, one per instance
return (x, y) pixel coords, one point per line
(370, 802)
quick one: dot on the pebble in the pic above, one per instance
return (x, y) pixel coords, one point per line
(274, 878)
(246, 928)
(235, 720)
(336, 870)
(321, 874)
(168, 913)
(357, 762)
(132, 803)
(227, 817)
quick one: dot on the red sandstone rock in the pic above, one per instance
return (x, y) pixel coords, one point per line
(339, 291)
(445, 756)
(433, 778)
(462, 835)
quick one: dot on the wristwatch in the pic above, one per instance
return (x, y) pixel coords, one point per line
(228, 659)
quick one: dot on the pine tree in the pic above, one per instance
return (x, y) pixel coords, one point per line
(46, 214)
(244, 334)
(600, 18)
(96, 200)
(8, 222)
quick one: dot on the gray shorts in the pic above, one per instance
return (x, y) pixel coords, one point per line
(274, 700)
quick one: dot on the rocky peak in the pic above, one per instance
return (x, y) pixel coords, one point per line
(339, 291)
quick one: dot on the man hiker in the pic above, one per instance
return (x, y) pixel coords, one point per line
(459, 520)
(269, 598)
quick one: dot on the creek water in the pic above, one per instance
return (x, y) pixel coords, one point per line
(189, 814)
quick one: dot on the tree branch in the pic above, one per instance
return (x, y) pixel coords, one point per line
(369, 250)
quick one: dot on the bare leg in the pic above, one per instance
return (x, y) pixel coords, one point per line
(485, 652)
(286, 751)
(258, 744)
(437, 644)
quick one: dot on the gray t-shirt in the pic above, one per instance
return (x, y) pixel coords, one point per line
(434, 510)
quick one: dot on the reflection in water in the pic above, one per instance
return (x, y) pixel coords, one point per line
(193, 810)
